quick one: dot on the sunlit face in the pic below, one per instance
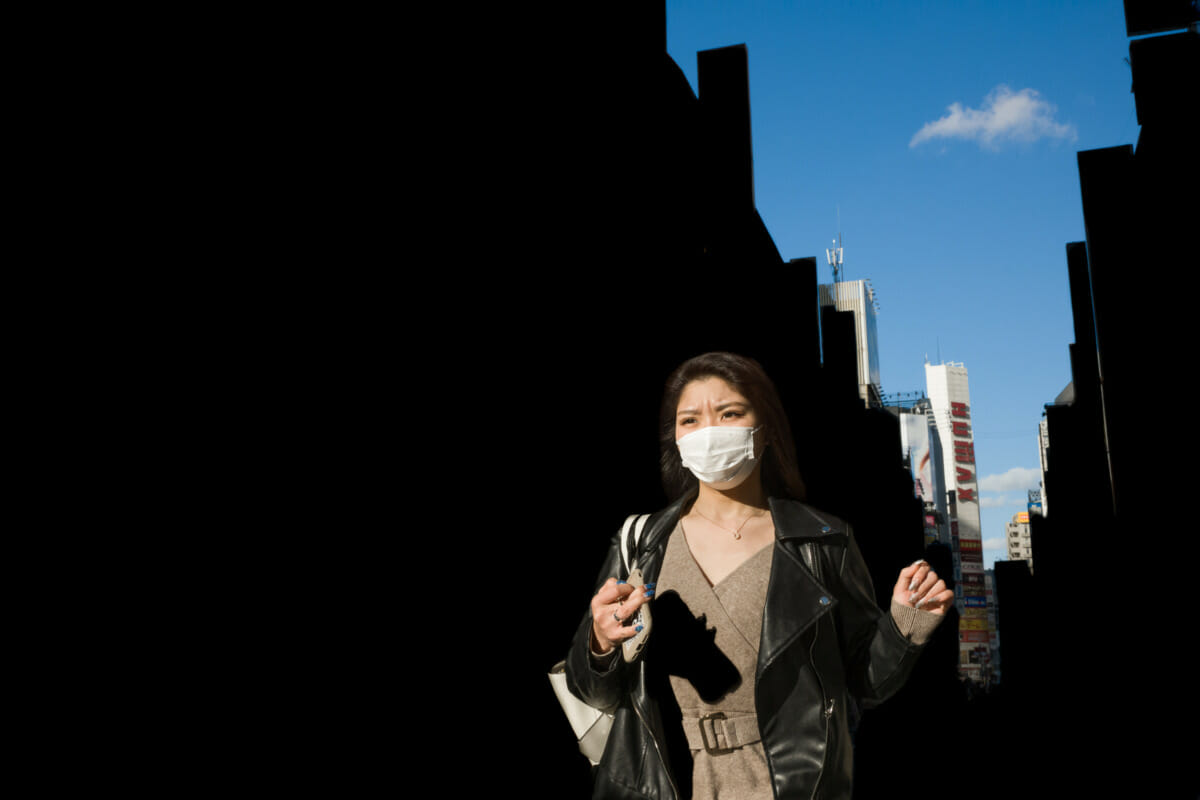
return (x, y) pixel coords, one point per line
(711, 401)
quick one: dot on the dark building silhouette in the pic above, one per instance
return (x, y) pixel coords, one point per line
(1111, 505)
(618, 204)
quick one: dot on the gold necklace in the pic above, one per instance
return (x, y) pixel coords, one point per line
(735, 531)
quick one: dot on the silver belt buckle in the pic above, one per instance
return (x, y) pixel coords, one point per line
(713, 749)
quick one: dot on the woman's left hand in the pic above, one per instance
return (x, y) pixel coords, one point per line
(919, 587)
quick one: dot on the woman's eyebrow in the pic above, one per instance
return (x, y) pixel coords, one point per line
(719, 407)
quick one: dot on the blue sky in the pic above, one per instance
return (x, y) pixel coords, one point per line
(943, 135)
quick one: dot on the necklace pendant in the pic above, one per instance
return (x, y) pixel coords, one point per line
(737, 535)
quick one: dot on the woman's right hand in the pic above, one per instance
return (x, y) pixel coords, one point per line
(615, 605)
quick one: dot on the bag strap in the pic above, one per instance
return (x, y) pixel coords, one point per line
(635, 523)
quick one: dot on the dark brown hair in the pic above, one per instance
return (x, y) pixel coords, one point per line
(780, 474)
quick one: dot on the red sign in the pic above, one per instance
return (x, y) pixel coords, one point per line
(964, 452)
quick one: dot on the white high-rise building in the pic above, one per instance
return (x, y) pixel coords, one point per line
(859, 297)
(946, 385)
(950, 397)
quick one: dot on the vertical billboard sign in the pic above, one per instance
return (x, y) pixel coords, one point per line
(915, 432)
(950, 397)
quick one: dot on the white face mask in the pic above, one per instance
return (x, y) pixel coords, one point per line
(719, 455)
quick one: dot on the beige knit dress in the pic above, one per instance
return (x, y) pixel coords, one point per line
(733, 608)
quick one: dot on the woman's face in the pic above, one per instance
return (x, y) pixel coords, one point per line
(711, 401)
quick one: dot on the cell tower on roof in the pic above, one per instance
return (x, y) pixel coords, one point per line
(834, 256)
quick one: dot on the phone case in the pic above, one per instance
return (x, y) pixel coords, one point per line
(632, 647)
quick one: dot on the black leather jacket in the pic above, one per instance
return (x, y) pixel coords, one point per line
(824, 640)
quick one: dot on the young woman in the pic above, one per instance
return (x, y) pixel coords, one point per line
(764, 620)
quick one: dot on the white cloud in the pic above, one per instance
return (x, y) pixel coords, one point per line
(998, 543)
(1017, 479)
(1006, 116)
(1001, 501)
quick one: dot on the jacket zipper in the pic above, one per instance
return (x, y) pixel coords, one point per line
(670, 778)
(811, 556)
(827, 709)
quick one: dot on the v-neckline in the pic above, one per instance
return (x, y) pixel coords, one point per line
(713, 586)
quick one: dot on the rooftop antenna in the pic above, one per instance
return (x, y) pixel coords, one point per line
(834, 254)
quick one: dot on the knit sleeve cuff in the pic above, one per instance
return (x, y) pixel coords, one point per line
(917, 625)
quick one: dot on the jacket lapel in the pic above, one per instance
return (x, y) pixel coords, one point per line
(795, 599)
